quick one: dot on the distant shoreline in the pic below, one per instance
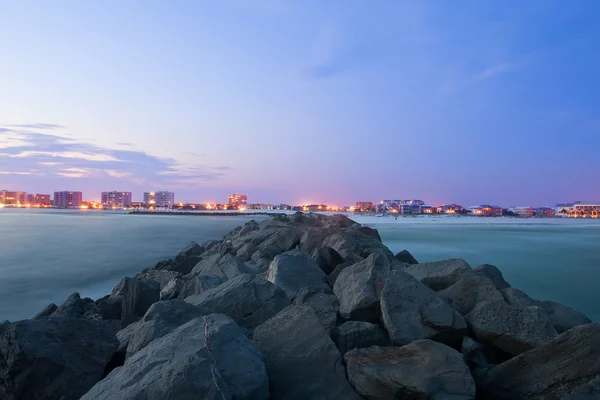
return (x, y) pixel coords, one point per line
(204, 214)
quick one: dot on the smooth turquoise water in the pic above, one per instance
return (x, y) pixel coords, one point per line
(555, 260)
(47, 254)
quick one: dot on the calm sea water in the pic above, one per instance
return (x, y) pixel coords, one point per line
(47, 254)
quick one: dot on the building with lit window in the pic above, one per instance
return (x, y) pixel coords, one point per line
(486, 210)
(524, 211)
(238, 200)
(68, 199)
(159, 199)
(115, 199)
(579, 209)
(38, 199)
(364, 206)
(12, 198)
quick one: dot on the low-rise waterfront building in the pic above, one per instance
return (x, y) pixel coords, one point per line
(450, 209)
(486, 210)
(523, 211)
(115, 199)
(579, 209)
(544, 212)
(159, 199)
(68, 199)
(364, 206)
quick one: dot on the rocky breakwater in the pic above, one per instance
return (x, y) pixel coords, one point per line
(303, 307)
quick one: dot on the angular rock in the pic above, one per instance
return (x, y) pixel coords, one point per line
(323, 302)
(162, 277)
(328, 259)
(294, 270)
(563, 318)
(509, 328)
(440, 274)
(187, 258)
(332, 277)
(245, 252)
(588, 391)
(370, 232)
(285, 239)
(161, 319)
(198, 284)
(138, 296)
(465, 294)
(355, 245)
(74, 307)
(207, 358)
(566, 366)
(421, 370)
(302, 361)
(405, 257)
(110, 307)
(357, 335)
(53, 358)
(248, 299)
(171, 290)
(481, 356)
(411, 311)
(516, 297)
(227, 267)
(359, 287)
(47, 311)
(493, 273)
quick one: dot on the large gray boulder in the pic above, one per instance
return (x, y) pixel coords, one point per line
(328, 259)
(465, 294)
(284, 239)
(294, 270)
(74, 307)
(137, 297)
(440, 274)
(47, 311)
(354, 245)
(248, 299)
(226, 267)
(509, 328)
(171, 290)
(207, 358)
(411, 311)
(198, 284)
(302, 361)
(564, 368)
(53, 358)
(357, 335)
(405, 257)
(421, 370)
(516, 297)
(359, 287)
(161, 276)
(162, 318)
(493, 273)
(186, 259)
(563, 318)
(323, 302)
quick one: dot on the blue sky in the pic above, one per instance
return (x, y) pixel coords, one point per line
(338, 101)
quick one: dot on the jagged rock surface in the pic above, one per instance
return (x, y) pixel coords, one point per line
(357, 335)
(440, 274)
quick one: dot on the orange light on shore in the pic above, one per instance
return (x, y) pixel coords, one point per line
(84, 207)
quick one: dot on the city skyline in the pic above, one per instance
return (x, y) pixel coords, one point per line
(472, 103)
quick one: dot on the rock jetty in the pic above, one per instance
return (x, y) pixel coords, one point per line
(303, 306)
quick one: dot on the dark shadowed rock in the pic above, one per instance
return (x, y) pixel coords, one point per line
(511, 329)
(357, 335)
(47, 311)
(341, 221)
(328, 259)
(440, 274)
(465, 294)
(421, 370)
(587, 391)
(110, 307)
(294, 270)
(359, 286)
(405, 257)
(332, 277)
(186, 259)
(370, 232)
(566, 366)
(198, 284)
(302, 361)
(53, 358)
(137, 296)
(355, 245)
(248, 299)
(516, 297)
(285, 239)
(493, 273)
(411, 311)
(312, 239)
(74, 307)
(207, 358)
(323, 302)
(245, 252)
(563, 318)
(160, 319)
(481, 357)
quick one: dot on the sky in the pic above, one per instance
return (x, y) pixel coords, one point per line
(303, 101)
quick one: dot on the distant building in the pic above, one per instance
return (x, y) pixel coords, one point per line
(409, 208)
(522, 211)
(115, 199)
(159, 199)
(67, 199)
(427, 209)
(238, 200)
(486, 210)
(12, 198)
(450, 209)
(314, 207)
(579, 209)
(544, 212)
(364, 206)
(38, 199)
(261, 207)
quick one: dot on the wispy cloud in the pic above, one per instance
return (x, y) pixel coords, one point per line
(494, 71)
(27, 146)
